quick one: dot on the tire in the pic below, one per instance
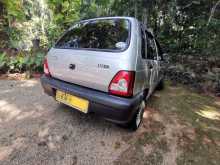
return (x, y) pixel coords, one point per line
(160, 86)
(136, 121)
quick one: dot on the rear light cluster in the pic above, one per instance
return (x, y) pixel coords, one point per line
(46, 68)
(122, 84)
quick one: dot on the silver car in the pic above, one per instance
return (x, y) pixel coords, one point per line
(108, 66)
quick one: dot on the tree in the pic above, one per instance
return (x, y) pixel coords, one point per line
(186, 26)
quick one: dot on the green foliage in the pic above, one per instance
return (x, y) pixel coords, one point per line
(38, 61)
(14, 10)
(22, 62)
(3, 61)
(182, 26)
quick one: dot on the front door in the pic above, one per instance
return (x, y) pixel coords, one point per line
(161, 62)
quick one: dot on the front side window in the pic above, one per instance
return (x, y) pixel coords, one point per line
(159, 49)
(151, 48)
(108, 34)
(143, 44)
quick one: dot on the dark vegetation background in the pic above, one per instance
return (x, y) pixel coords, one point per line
(189, 30)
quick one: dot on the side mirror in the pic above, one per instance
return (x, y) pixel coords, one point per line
(159, 58)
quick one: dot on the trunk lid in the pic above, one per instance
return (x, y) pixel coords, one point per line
(86, 68)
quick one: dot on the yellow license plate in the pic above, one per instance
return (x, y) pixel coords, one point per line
(73, 101)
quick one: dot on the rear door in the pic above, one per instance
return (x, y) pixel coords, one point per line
(89, 54)
(153, 62)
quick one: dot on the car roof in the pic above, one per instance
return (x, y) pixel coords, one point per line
(115, 17)
(132, 20)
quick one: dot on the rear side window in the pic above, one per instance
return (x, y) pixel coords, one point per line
(109, 34)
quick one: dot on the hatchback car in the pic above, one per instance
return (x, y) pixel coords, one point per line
(108, 66)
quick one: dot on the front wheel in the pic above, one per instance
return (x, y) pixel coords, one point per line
(135, 123)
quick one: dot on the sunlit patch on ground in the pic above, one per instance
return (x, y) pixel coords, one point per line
(13, 76)
(5, 151)
(10, 112)
(217, 102)
(146, 114)
(29, 83)
(210, 113)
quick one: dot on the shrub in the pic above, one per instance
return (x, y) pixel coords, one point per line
(3, 62)
(32, 62)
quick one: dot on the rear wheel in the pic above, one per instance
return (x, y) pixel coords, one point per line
(135, 123)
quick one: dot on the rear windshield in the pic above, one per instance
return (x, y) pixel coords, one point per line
(109, 34)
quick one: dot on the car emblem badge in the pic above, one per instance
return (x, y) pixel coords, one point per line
(72, 66)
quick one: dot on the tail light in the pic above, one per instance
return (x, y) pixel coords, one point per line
(46, 68)
(122, 84)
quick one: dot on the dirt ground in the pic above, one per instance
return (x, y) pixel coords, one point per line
(180, 127)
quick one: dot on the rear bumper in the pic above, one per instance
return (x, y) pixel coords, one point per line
(116, 109)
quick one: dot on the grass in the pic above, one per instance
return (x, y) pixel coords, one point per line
(196, 111)
(199, 111)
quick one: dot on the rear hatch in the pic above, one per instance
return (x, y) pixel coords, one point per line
(90, 53)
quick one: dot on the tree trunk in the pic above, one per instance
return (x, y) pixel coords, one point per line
(135, 9)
